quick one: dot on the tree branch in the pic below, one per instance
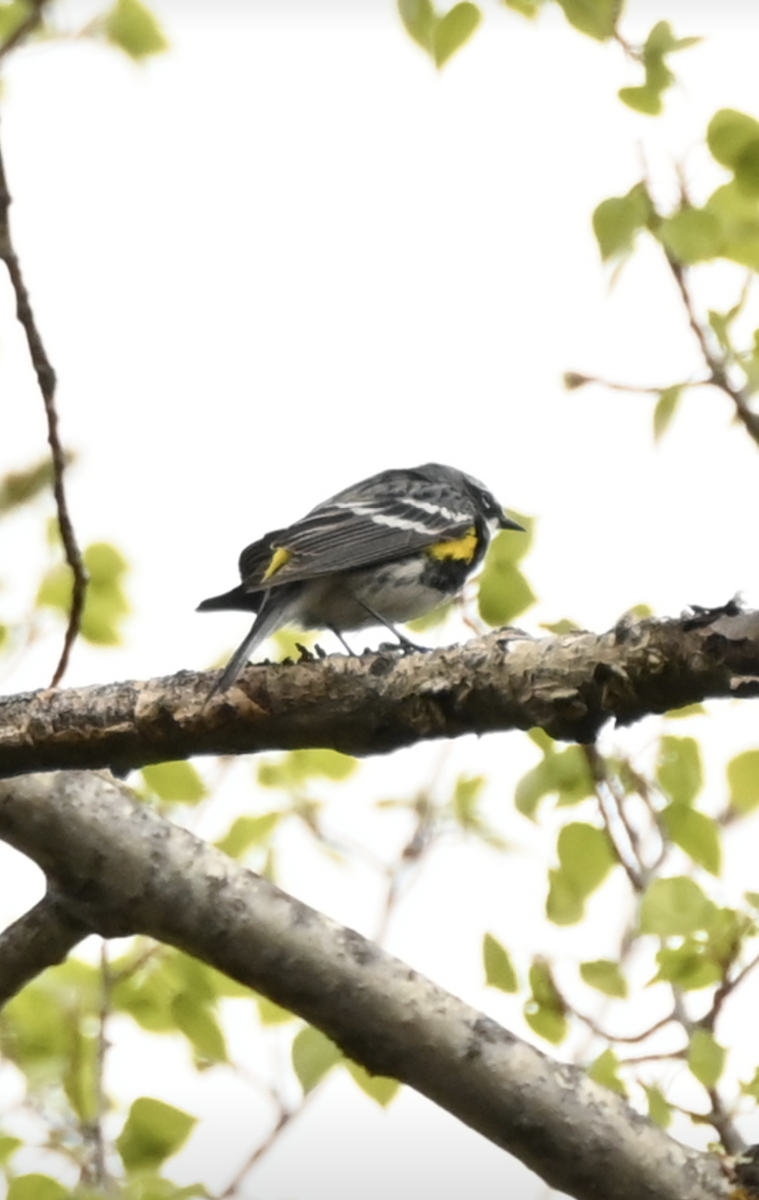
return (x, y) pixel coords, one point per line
(41, 938)
(124, 869)
(46, 381)
(569, 685)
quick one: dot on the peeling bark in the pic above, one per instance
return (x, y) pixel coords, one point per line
(570, 685)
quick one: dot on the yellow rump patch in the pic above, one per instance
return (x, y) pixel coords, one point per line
(462, 548)
(279, 559)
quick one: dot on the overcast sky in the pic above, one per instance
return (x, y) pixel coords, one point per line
(289, 254)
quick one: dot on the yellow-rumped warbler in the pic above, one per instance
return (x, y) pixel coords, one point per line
(388, 549)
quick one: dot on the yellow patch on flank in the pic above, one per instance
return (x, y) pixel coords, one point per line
(279, 559)
(464, 547)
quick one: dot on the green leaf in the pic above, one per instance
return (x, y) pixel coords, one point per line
(605, 976)
(689, 966)
(643, 99)
(743, 778)
(739, 219)
(659, 1109)
(418, 16)
(247, 832)
(134, 29)
(313, 1055)
(271, 1013)
(526, 8)
(605, 1070)
(198, 1023)
(294, 769)
(19, 487)
(752, 1087)
(503, 595)
(379, 1088)
(545, 1010)
(679, 771)
(618, 220)
(666, 406)
(693, 235)
(453, 30)
(152, 1133)
(565, 773)
(696, 834)
(596, 18)
(499, 971)
(175, 782)
(706, 1058)
(36, 1187)
(733, 139)
(675, 907)
(586, 856)
(8, 1146)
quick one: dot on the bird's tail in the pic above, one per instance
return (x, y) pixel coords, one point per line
(239, 599)
(270, 617)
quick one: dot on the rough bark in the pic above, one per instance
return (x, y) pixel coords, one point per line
(569, 685)
(118, 867)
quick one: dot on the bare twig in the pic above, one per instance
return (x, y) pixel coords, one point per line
(717, 367)
(46, 381)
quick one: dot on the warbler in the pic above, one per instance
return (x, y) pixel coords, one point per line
(388, 549)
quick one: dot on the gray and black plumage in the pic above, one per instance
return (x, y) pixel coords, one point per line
(387, 549)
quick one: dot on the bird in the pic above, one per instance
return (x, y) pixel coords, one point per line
(388, 549)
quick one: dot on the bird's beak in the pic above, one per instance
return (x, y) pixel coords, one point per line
(507, 523)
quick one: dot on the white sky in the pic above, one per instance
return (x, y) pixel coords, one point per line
(289, 254)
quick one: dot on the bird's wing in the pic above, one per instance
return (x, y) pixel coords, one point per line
(343, 534)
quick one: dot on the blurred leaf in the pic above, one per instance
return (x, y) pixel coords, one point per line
(152, 1133)
(313, 1055)
(679, 770)
(8, 1146)
(660, 42)
(706, 1058)
(545, 1010)
(36, 1187)
(666, 406)
(675, 907)
(499, 971)
(688, 710)
(198, 1023)
(379, 1088)
(298, 766)
(596, 18)
(659, 1109)
(738, 216)
(752, 1087)
(19, 487)
(743, 778)
(105, 603)
(605, 1070)
(618, 220)
(733, 139)
(605, 976)
(418, 16)
(134, 29)
(692, 235)
(526, 8)
(453, 30)
(689, 966)
(643, 99)
(247, 832)
(586, 856)
(503, 596)
(175, 782)
(271, 1013)
(696, 834)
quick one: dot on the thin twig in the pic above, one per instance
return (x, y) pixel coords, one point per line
(46, 381)
(717, 368)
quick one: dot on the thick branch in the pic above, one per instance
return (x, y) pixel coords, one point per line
(124, 869)
(569, 685)
(41, 938)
